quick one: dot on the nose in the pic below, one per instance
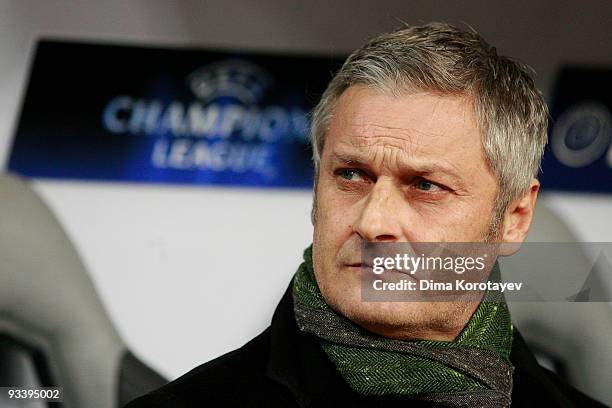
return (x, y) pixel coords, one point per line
(379, 217)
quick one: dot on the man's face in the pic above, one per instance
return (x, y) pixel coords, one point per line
(398, 169)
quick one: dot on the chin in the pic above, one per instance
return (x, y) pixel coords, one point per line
(402, 320)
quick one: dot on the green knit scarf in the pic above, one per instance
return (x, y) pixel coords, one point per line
(374, 365)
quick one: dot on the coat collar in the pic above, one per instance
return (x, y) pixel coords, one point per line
(297, 361)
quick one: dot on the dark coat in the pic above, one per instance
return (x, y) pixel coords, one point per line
(284, 367)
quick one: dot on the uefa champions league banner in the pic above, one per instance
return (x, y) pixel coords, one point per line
(102, 112)
(579, 152)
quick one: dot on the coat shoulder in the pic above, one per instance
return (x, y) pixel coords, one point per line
(536, 386)
(237, 378)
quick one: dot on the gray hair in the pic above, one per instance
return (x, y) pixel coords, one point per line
(438, 57)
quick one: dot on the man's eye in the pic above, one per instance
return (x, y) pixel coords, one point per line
(351, 175)
(425, 185)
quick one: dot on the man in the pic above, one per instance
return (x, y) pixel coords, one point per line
(425, 134)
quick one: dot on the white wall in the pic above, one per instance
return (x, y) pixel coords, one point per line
(158, 254)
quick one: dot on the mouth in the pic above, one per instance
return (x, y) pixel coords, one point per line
(389, 272)
(359, 265)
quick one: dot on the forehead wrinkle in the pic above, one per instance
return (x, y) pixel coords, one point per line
(390, 149)
(394, 158)
(373, 131)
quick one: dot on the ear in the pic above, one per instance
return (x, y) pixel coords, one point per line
(518, 216)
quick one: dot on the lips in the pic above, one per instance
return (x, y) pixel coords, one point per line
(359, 265)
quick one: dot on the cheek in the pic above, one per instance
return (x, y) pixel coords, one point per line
(334, 219)
(469, 222)
(460, 220)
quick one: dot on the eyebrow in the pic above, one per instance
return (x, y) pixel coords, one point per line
(418, 168)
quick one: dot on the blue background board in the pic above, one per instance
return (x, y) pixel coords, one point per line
(109, 112)
(193, 116)
(579, 153)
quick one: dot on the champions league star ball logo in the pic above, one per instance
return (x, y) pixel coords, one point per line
(239, 79)
(582, 135)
